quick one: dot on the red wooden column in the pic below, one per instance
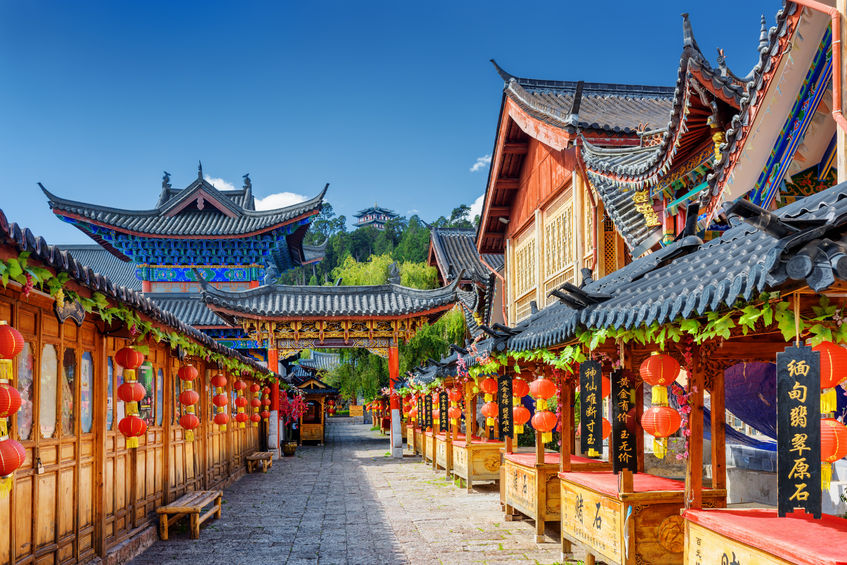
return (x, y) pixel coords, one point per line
(273, 423)
(393, 377)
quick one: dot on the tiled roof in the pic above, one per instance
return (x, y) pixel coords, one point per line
(687, 279)
(331, 301)
(102, 261)
(618, 108)
(455, 251)
(322, 361)
(24, 240)
(375, 210)
(167, 219)
(187, 306)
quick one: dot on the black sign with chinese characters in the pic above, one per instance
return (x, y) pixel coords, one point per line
(442, 411)
(623, 440)
(798, 430)
(505, 423)
(420, 414)
(428, 412)
(590, 408)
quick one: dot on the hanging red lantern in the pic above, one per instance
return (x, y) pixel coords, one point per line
(542, 388)
(266, 390)
(241, 417)
(605, 387)
(12, 456)
(187, 373)
(11, 344)
(10, 400)
(239, 385)
(833, 363)
(132, 427)
(255, 403)
(265, 415)
(520, 387)
(455, 395)
(221, 419)
(254, 388)
(488, 385)
(659, 371)
(489, 410)
(188, 397)
(454, 413)
(266, 401)
(189, 422)
(660, 422)
(220, 400)
(520, 416)
(833, 447)
(219, 381)
(607, 428)
(131, 392)
(413, 414)
(255, 419)
(240, 402)
(544, 421)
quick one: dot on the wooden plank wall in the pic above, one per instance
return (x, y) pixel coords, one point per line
(80, 493)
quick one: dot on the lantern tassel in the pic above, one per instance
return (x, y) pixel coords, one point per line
(189, 435)
(241, 424)
(540, 405)
(255, 424)
(6, 485)
(131, 442)
(223, 428)
(659, 448)
(518, 429)
(829, 401)
(489, 422)
(6, 369)
(660, 395)
(453, 421)
(826, 476)
(546, 437)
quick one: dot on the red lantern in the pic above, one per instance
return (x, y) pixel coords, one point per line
(188, 397)
(266, 401)
(520, 416)
(239, 385)
(488, 385)
(129, 358)
(266, 390)
(454, 412)
(12, 455)
(660, 422)
(659, 371)
(187, 373)
(455, 395)
(189, 422)
(544, 421)
(542, 388)
(255, 418)
(489, 410)
(222, 419)
(254, 388)
(220, 400)
(833, 446)
(219, 380)
(132, 427)
(255, 402)
(833, 360)
(607, 428)
(241, 402)
(265, 414)
(131, 391)
(11, 341)
(520, 387)
(10, 400)
(413, 414)
(241, 417)
(605, 387)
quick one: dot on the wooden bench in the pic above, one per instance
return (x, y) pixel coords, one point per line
(191, 504)
(266, 458)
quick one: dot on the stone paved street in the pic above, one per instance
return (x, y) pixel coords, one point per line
(349, 503)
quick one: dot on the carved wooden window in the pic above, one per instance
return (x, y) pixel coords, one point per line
(110, 392)
(26, 362)
(145, 407)
(47, 391)
(525, 266)
(160, 397)
(86, 373)
(559, 236)
(68, 388)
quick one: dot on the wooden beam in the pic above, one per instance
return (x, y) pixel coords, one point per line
(507, 183)
(515, 148)
(497, 211)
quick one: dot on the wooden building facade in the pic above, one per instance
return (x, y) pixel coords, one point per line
(81, 494)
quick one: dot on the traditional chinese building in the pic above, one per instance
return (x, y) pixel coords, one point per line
(540, 212)
(199, 228)
(375, 216)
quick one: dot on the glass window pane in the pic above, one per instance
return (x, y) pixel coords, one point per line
(120, 407)
(110, 391)
(47, 391)
(26, 363)
(160, 397)
(85, 402)
(176, 398)
(68, 381)
(145, 407)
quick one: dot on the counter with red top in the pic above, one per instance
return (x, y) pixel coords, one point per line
(476, 461)
(642, 526)
(751, 536)
(533, 488)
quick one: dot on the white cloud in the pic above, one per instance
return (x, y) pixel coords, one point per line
(481, 163)
(220, 184)
(476, 207)
(279, 200)
(412, 212)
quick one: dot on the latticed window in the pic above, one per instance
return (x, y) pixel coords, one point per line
(588, 224)
(558, 239)
(524, 266)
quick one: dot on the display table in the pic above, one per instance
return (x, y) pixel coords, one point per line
(417, 446)
(312, 432)
(443, 452)
(754, 536)
(533, 489)
(428, 446)
(476, 461)
(643, 526)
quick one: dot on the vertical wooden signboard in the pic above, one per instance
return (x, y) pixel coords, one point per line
(504, 406)
(443, 406)
(428, 411)
(798, 430)
(421, 417)
(623, 439)
(590, 409)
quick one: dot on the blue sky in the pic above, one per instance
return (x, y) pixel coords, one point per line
(390, 102)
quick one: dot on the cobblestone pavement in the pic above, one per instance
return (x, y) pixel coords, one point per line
(349, 503)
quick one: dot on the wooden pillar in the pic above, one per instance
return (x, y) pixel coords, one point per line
(566, 410)
(469, 414)
(841, 135)
(100, 432)
(718, 407)
(274, 435)
(694, 466)
(393, 377)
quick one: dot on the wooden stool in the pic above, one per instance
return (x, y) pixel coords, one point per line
(191, 504)
(266, 458)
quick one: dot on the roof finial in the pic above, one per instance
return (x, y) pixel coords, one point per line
(199, 170)
(248, 184)
(166, 180)
(722, 63)
(503, 74)
(688, 33)
(763, 35)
